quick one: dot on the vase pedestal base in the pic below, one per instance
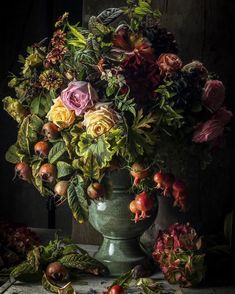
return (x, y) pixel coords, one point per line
(121, 255)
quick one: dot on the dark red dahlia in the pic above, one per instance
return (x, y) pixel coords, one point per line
(142, 78)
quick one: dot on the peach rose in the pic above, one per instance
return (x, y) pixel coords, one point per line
(169, 63)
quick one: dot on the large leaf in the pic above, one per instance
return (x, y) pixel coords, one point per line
(80, 40)
(96, 27)
(14, 154)
(26, 272)
(28, 132)
(15, 109)
(77, 199)
(109, 15)
(48, 285)
(83, 263)
(99, 148)
(34, 257)
(56, 152)
(63, 169)
(41, 105)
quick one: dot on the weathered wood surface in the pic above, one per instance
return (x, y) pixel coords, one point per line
(204, 30)
(85, 283)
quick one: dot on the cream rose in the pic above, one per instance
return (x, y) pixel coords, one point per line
(60, 115)
(100, 120)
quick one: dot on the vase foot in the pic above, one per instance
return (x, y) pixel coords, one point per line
(121, 255)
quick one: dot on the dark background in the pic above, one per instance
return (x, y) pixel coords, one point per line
(204, 30)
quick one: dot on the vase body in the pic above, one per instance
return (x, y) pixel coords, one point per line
(120, 250)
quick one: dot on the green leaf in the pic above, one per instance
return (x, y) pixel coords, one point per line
(28, 132)
(109, 15)
(25, 272)
(14, 154)
(124, 280)
(73, 249)
(83, 263)
(77, 199)
(56, 152)
(63, 169)
(14, 108)
(96, 27)
(98, 147)
(80, 40)
(48, 285)
(67, 139)
(41, 105)
(33, 257)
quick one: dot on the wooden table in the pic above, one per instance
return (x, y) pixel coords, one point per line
(100, 284)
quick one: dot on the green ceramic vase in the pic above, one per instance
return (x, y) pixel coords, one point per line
(120, 250)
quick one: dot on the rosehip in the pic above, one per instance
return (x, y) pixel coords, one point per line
(116, 289)
(167, 183)
(47, 172)
(56, 271)
(23, 171)
(158, 178)
(41, 149)
(138, 172)
(50, 131)
(144, 203)
(95, 190)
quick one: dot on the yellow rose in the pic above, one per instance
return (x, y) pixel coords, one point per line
(100, 120)
(60, 115)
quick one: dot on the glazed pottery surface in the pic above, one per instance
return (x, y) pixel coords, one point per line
(120, 250)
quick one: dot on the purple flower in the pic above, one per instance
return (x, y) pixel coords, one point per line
(79, 96)
(214, 94)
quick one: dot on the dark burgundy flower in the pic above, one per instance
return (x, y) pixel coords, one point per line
(56, 55)
(142, 78)
(214, 94)
(58, 38)
(132, 45)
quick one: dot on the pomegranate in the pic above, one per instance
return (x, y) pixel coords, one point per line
(50, 131)
(95, 190)
(47, 172)
(23, 171)
(144, 203)
(117, 289)
(138, 172)
(158, 178)
(56, 271)
(41, 149)
(134, 210)
(179, 188)
(167, 183)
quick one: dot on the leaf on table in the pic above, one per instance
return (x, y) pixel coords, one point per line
(77, 199)
(56, 152)
(73, 248)
(26, 272)
(48, 285)
(83, 263)
(34, 257)
(67, 289)
(124, 280)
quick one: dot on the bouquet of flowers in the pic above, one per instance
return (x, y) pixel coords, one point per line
(105, 97)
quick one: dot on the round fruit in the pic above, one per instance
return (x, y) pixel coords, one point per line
(95, 190)
(23, 171)
(47, 172)
(116, 289)
(41, 149)
(61, 188)
(138, 172)
(56, 271)
(50, 131)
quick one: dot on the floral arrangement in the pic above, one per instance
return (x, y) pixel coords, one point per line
(177, 250)
(93, 100)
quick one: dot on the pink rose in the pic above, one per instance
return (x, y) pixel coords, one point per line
(208, 131)
(223, 115)
(79, 96)
(214, 93)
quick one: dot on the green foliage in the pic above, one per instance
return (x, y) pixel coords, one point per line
(64, 169)
(41, 105)
(26, 272)
(15, 109)
(98, 147)
(124, 103)
(28, 133)
(14, 155)
(109, 15)
(78, 39)
(83, 263)
(97, 28)
(150, 286)
(77, 199)
(48, 285)
(124, 280)
(56, 152)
